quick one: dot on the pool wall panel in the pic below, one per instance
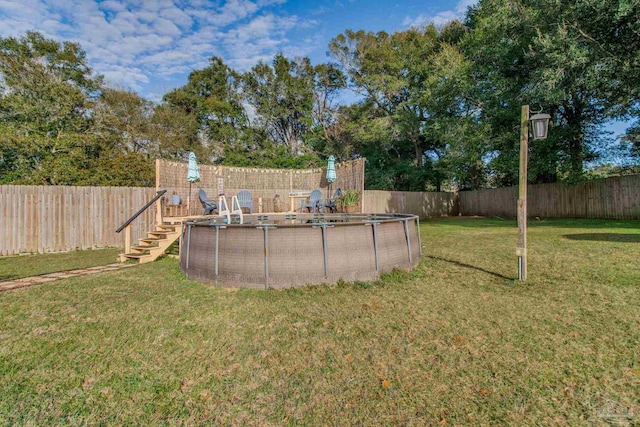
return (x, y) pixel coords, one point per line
(295, 256)
(350, 253)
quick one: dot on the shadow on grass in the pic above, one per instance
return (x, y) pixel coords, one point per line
(462, 264)
(605, 237)
(9, 277)
(470, 222)
(533, 222)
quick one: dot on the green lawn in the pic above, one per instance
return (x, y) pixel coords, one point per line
(456, 342)
(16, 267)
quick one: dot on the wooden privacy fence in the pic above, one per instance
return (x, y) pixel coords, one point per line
(423, 204)
(61, 218)
(609, 198)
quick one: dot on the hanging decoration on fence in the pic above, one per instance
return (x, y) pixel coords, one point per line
(220, 184)
(193, 175)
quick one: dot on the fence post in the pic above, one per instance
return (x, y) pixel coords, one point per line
(127, 239)
(159, 212)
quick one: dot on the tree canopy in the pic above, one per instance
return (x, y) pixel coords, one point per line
(435, 107)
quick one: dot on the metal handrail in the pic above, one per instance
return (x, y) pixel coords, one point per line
(144, 208)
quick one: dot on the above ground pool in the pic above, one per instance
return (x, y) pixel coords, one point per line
(291, 250)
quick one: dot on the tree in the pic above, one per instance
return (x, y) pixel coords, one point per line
(328, 81)
(414, 82)
(553, 54)
(603, 38)
(212, 98)
(176, 132)
(607, 32)
(122, 119)
(123, 125)
(282, 98)
(633, 139)
(46, 94)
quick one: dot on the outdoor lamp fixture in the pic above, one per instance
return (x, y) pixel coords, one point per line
(539, 128)
(539, 125)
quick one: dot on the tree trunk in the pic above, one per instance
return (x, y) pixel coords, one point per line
(418, 149)
(575, 143)
(576, 153)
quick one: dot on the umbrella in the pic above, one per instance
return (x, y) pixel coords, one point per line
(193, 175)
(331, 172)
(194, 172)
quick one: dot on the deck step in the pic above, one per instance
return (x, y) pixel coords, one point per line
(147, 244)
(160, 232)
(136, 256)
(151, 239)
(167, 227)
(144, 247)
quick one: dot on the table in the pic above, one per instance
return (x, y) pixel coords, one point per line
(297, 195)
(176, 210)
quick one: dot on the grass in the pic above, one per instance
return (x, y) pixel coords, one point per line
(16, 267)
(455, 342)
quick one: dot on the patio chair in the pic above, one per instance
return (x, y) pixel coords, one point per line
(244, 198)
(208, 205)
(331, 202)
(314, 202)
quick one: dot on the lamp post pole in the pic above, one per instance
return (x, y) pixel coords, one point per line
(521, 249)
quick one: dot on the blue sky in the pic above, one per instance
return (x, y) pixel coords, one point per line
(150, 46)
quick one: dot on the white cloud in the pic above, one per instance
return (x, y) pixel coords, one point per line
(133, 42)
(259, 39)
(124, 77)
(232, 11)
(442, 17)
(177, 16)
(166, 28)
(112, 5)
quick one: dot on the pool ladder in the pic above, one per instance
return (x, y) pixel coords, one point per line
(229, 214)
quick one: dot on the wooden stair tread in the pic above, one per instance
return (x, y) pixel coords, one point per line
(137, 256)
(143, 247)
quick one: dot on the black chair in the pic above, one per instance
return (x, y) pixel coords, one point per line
(208, 205)
(331, 202)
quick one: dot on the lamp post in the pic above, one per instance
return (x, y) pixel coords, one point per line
(540, 125)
